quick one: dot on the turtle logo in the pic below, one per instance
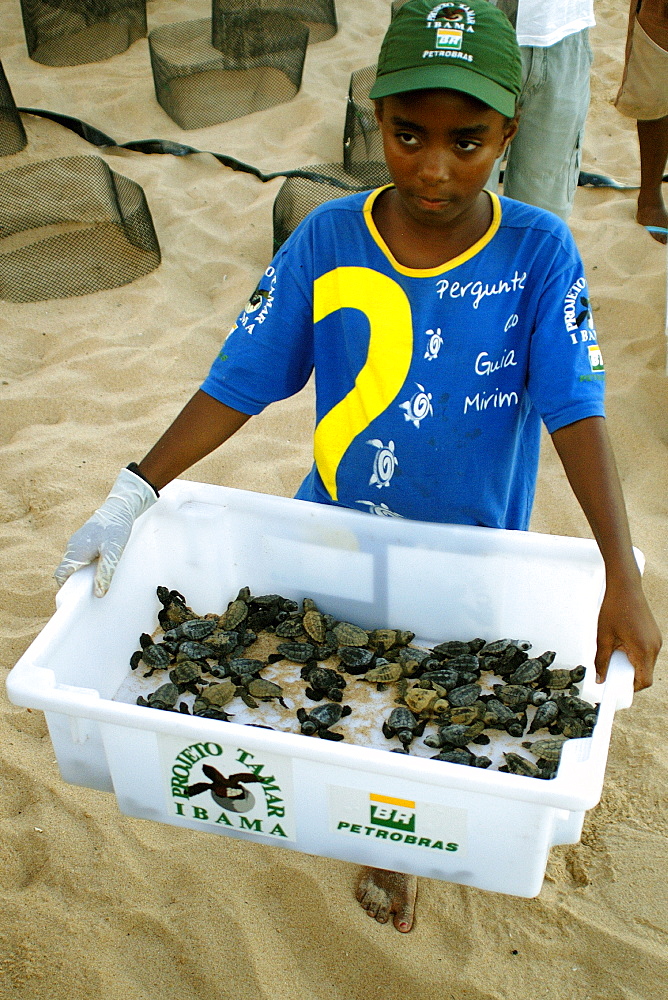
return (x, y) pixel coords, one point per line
(418, 406)
(434, 345)
(381, 509)
(256, 300)
(450, 13)
(226, 792)
(384, 463)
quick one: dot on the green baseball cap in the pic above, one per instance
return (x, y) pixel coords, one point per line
(470, 47)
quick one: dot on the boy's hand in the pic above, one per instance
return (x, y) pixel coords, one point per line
(625, 622)
(105, 534)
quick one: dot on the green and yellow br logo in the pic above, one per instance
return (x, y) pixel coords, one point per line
(403, 821)
(448, 38)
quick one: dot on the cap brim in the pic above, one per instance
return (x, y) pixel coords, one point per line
(449, 78)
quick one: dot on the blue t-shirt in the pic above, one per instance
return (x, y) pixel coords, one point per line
(430, 384)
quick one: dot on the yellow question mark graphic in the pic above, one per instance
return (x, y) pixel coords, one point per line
(386, 306)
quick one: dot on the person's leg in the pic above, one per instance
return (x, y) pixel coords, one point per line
(544, 157)
(382, 893)
(653, 140)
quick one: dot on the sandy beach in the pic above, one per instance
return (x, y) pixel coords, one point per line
(98, 906)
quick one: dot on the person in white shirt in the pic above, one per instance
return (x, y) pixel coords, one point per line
(643, 95)
(543, 161)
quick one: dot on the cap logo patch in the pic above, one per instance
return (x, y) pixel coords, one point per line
(453, 16)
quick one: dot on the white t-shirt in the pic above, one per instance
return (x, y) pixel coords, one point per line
(542, 23)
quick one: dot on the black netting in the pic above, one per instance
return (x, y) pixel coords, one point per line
(361, 135)
(300, 195)
(12, 134)
(71, 32)
(396, 6)
(198, 85)
(319, 16)
(69, 227)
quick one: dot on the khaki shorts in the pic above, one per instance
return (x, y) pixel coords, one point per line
(644, 91)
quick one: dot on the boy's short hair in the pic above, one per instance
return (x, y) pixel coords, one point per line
(470, 47)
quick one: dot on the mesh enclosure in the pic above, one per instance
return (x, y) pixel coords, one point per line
(396, 6)
(197, 85)
(361, 135)
(319, 16)
(69, 227)
(72, 32)
(12, 133)
(300, 195)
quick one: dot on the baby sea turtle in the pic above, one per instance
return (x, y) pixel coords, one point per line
(445, 678)
(454, 735)
(189, 649)
(383, 638)
(258, 689)
(314, 623)
(560, 680)
(403, 724)
(241, 667)
(237, 611)
(515, 696)
(356, 659)
(517, 764)
(291, 628)
(548, 749)
(323, 683)
(350, 635)
(384, 673)
(460, 755)
(186, 675)
(320, 720)
(194, 628)
(545, 715)
(164, 697)
(529, 672)
(174, 609)
(421, 700)
(155, 655)
(464, 695)
(296, 652)
(218, 695)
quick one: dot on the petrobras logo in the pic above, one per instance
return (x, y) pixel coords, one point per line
(595, 358)
(448, 38)
(392, 820)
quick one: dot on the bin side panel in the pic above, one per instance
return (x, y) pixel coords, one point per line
(488, 841)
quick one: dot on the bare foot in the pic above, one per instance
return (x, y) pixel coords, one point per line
(655, 216)
(381, 893)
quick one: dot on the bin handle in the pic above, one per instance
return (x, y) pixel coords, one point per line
(619, 681)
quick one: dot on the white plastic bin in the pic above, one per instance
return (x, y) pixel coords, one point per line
(446, 821)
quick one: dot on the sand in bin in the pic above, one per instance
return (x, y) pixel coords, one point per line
(219, 95)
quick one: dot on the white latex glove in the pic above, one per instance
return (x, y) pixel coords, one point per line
(106, 533)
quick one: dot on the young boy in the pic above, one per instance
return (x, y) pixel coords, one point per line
(442, 323)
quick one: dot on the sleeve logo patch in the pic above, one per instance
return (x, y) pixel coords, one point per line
(595, 358)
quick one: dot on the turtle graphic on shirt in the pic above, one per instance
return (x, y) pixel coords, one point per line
(381, 509)
(418, 406)
(434, 345)
(384, 463)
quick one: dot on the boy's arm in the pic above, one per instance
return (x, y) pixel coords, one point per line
(625, 621)
(202, 425)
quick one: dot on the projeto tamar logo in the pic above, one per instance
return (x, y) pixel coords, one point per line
(228, 787)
